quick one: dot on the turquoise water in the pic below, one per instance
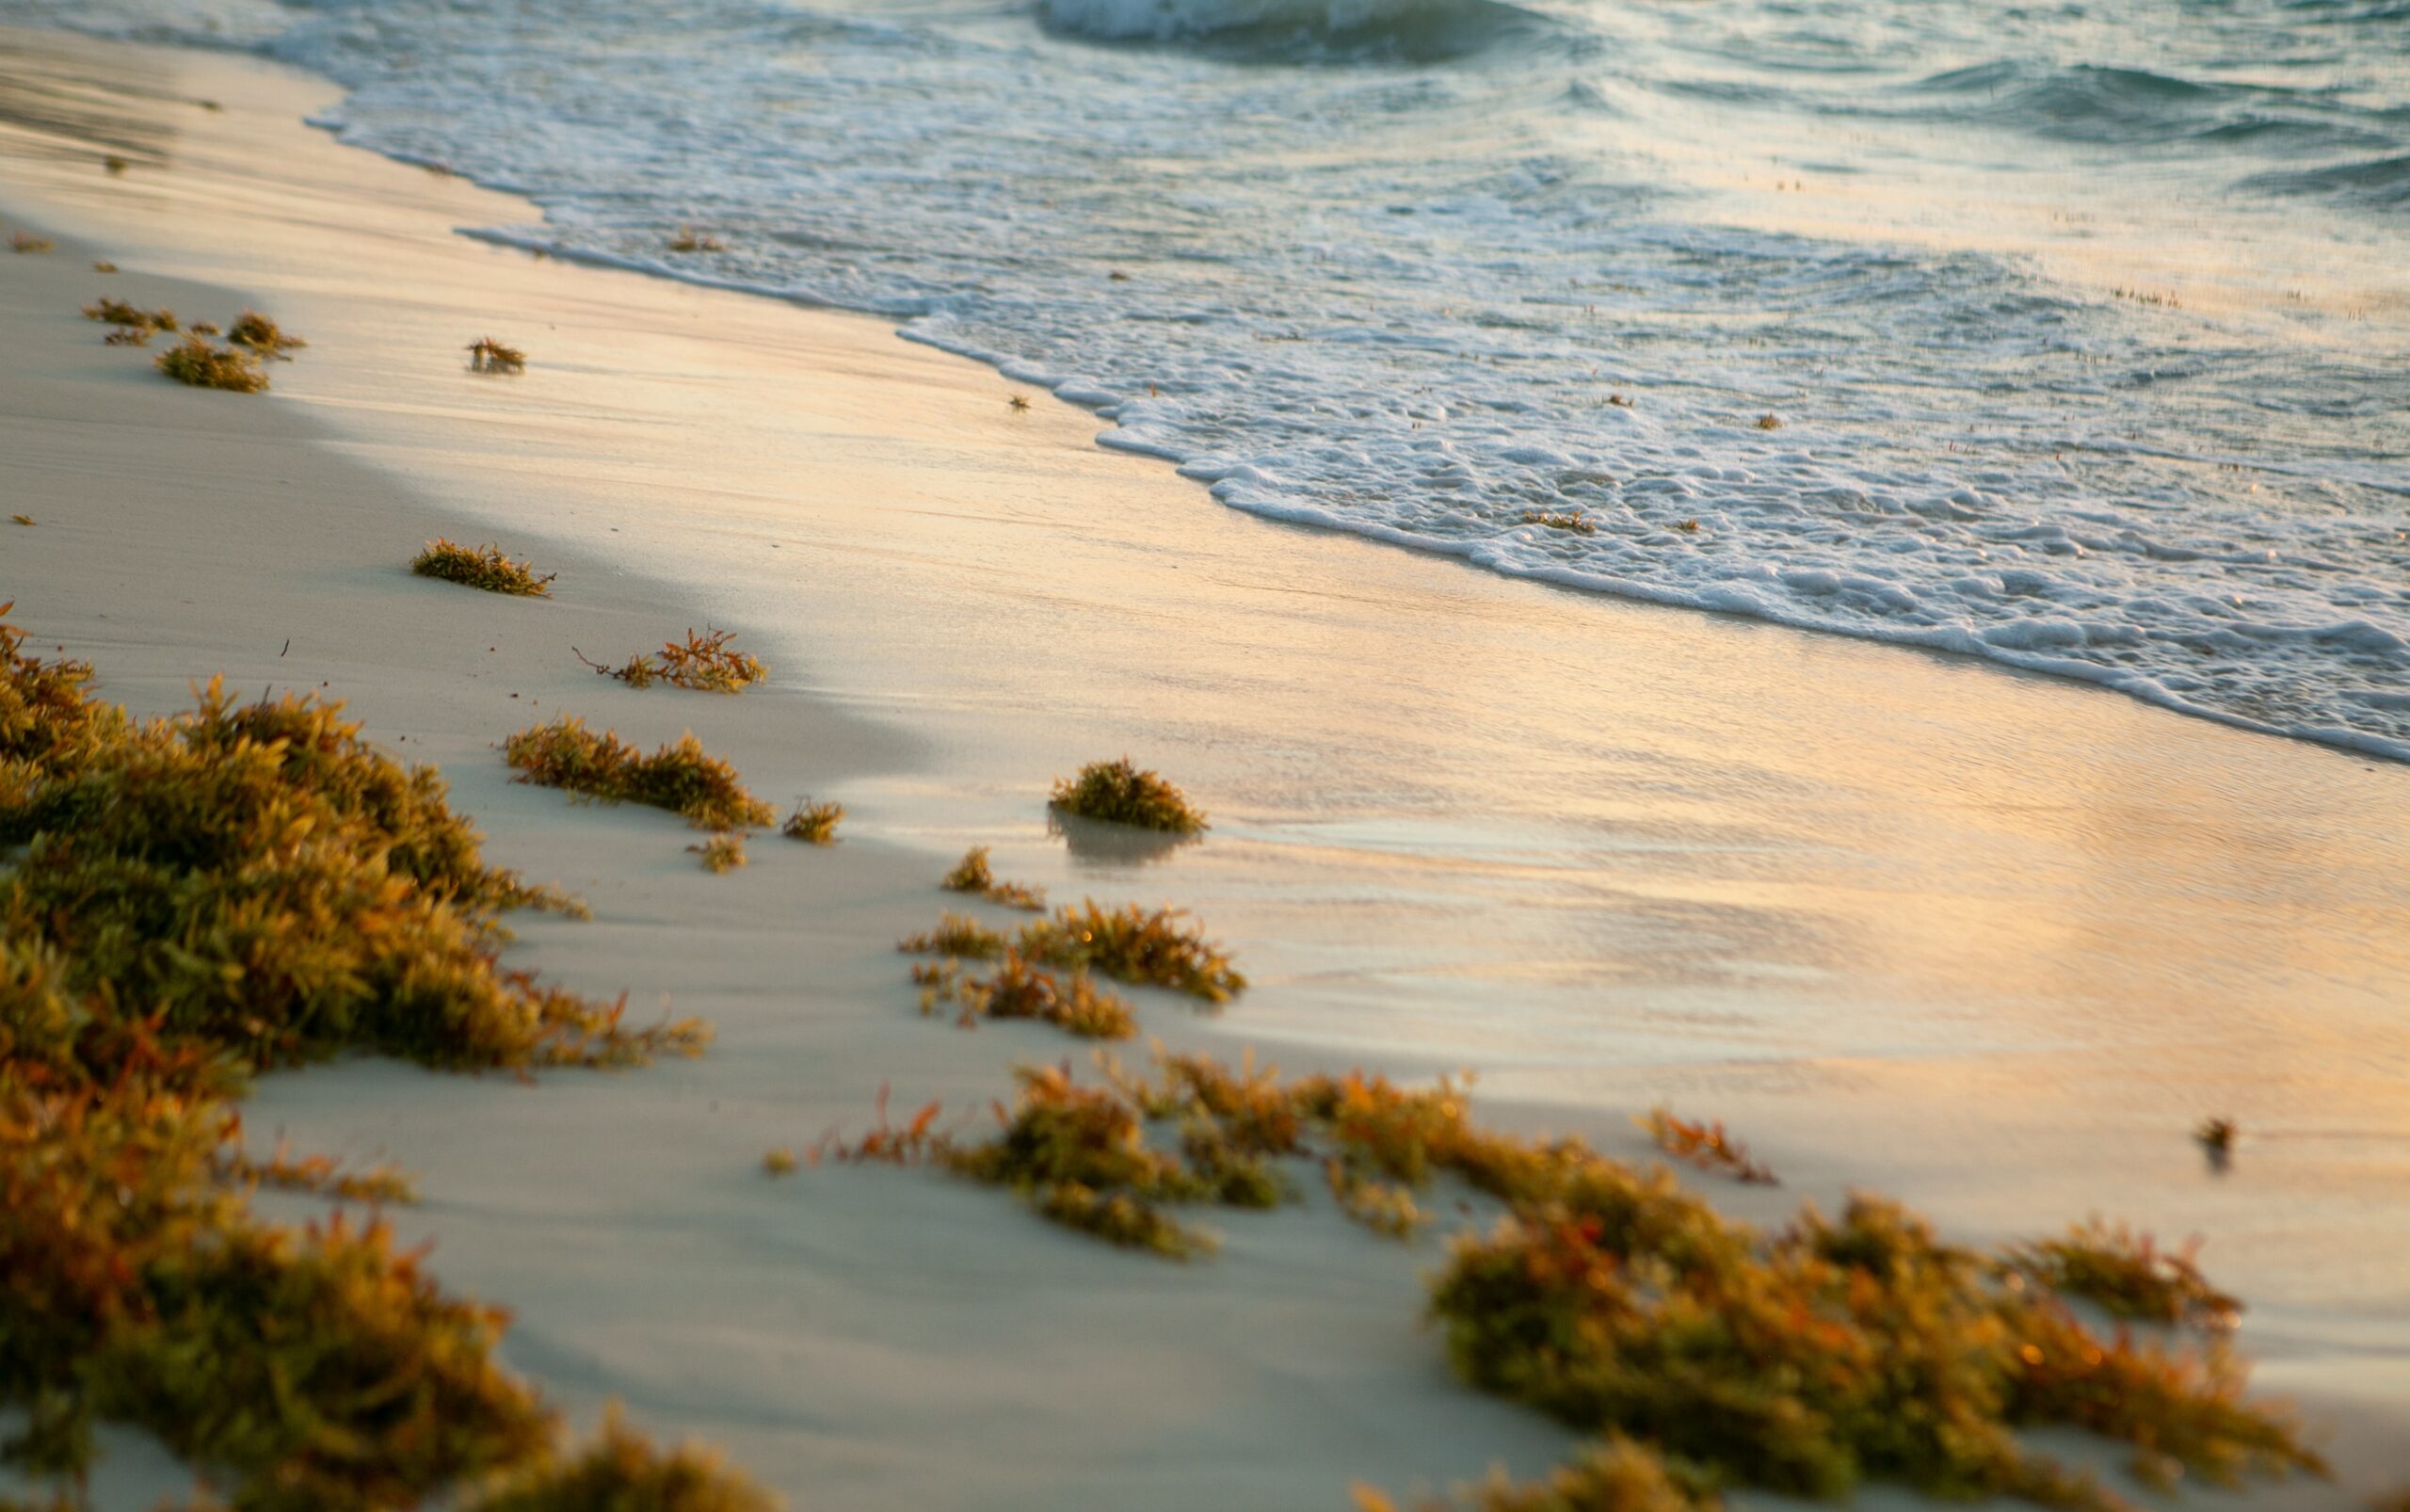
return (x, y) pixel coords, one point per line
(2074, 336)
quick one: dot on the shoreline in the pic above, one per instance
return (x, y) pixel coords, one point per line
(654, 910)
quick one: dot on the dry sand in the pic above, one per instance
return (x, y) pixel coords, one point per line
(1986, 942)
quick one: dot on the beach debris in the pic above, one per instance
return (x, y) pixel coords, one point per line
(2127, 1275)
(103, 267)
(262, 335)
(26, 241)
(779, 1162)
(1018, 401)
(1118, 792)
(1561, 520)
(813, 822)
(705, 662)
(1704, 1145)
(1621, 401)
(2216, 1138)
(690, 240)
(118, 312)
(194, 361)
(970, 875)
(487, 355)
(1117, 275)
(484, 567)
(1769, 421)
(22, 518)
(114, 164)
(1687, 526)
(680, 776)
(721, 853)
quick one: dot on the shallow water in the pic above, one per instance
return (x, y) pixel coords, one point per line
(2081, 332)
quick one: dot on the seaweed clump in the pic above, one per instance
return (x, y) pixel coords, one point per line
(1018, 989)
(1616, 1475)
(815, 824)
(1118, 792)
(955, 936)
(184, 903)
(262, 336)
(194, 361)
(971, 875)
(1807, 1362)
(682, 777)
(705, 662)
(1561, 520)
(1129, 944)
(623, 1471)
(690, 240)
(118, 312)
(26, 241)
(481, 566)
(721, 853)
(1132, 944)
(2127, 1275)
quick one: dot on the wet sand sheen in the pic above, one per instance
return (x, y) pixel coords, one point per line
(1988, 941)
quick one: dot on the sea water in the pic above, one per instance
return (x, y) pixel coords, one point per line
(2075, 335)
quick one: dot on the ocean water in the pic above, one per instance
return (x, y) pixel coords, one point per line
(2073, 336)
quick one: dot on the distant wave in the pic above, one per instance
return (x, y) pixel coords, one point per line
(2383, 183)
(1411, 28)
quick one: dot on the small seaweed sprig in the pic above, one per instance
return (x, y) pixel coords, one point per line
(1704, 1145)
(118, 312)
(813, 822)
(971, 875)
(704, 661)
(487, 355)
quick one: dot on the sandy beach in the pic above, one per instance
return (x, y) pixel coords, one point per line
(1986, 941)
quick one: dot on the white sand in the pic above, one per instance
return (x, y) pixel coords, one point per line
(1986, 941)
